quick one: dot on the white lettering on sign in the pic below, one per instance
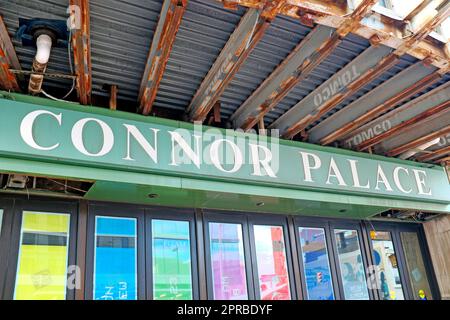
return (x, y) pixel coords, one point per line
(178, 140)
(215, 156)
(307, 167)
(420, 176)
(264, 162)
(77, 137)
(397, 180)
(355, 175)
(225, 155)
(334, 172)
(26, 129)
(381, 178)
(134, 132)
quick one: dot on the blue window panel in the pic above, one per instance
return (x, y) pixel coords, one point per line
(115, 259)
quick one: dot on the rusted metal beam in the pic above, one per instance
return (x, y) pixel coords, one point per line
(418, 142)
(81, 46)
(390, 32)
(446, 161)
(364, 78)
(382, 99)
(296, 8)
(245, 37)
(113, 97)
(404, 125)
(368, 132)
(168, 24)
(312, 51)
(434, 156)
(8, 59)
(292, 122)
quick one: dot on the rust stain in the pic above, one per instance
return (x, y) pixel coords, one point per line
(414, 144)
(385, 106)
(165, 44)
(404, 125)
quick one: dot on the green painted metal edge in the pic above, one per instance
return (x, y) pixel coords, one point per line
(177, 184)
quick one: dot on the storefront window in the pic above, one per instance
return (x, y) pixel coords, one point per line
(115, 273)
(172, 274)
(386, 261)
(271, 263)
(416, 267)
(351, 265)
(227, 261)
(43, 256)
(319, 285)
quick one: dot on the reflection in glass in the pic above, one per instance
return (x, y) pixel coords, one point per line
(1, 220)
(171, 251)
(115, 256)
(227, 261)
(351, 265)
(316, 264)
(386, 261)
(43, 256)
(271, 263)
(416, 267)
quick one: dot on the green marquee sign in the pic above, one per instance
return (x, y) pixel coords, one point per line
(92, 137)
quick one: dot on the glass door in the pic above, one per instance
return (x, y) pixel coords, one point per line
(351, 260)
(318, 272)
(171, 254)
(228, 257)
(273, 274)
(387, 265)
(417, 271)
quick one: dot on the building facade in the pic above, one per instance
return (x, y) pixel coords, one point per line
(100, 204)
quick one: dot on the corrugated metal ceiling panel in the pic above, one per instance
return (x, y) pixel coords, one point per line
(204, 30)
(121, 34)
(350, 47)
(279, 40)
(404, 62)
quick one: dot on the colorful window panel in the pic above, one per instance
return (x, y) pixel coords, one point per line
(271, 263)
(115, 258)
(227, 261)
(43, 256)
(172, 265)
(316, 264)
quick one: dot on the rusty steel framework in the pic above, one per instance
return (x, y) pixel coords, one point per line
(81, 44)
(166, 31)
(8, 59)
(313, 50)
